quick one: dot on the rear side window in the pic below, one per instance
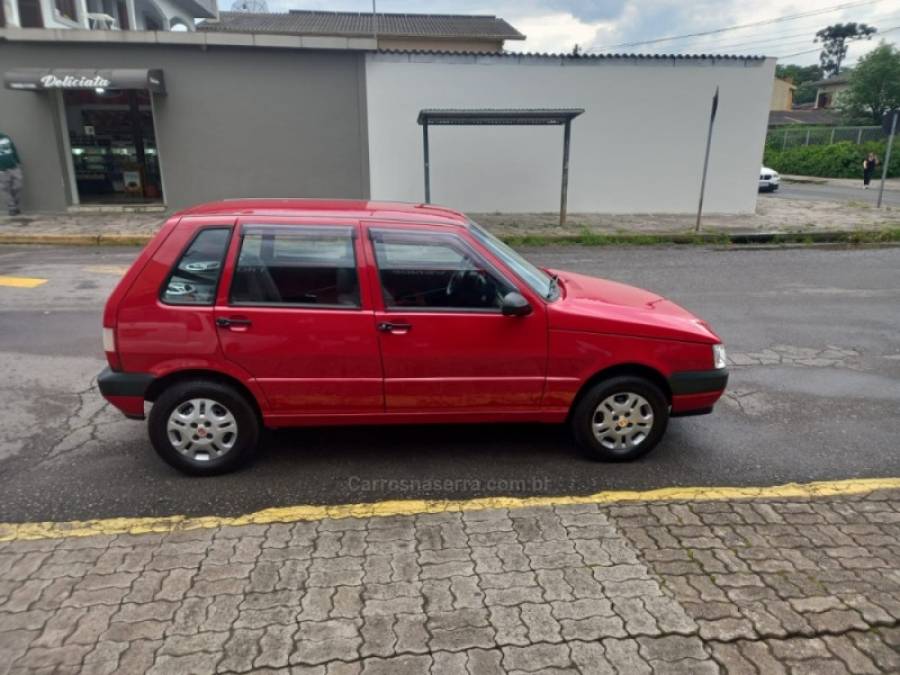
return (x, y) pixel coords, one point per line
(194, 279)
(305, 266)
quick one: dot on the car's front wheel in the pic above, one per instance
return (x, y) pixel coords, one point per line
(620, 419)
(203, 427)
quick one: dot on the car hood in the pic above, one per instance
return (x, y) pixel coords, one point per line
(597, 305)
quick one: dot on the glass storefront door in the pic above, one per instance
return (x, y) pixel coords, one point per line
(113, 144)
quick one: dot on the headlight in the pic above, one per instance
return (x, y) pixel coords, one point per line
(719, 358)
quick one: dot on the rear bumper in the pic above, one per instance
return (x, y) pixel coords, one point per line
(694, 392)
(125, 391)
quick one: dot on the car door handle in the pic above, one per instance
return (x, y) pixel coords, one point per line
(395, 328)
(225, 322)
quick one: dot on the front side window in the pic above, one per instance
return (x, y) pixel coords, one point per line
(296, 266)
(194, 279)
(434, 271)
(539, 281)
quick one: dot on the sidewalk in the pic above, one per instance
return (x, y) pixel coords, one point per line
(889, 184)
(773, 215)
(769, 585)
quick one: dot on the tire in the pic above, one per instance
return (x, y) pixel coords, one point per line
(618, 444)
(229, 423)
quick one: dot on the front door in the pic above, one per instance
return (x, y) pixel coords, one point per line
(445, 345)
(295, 318)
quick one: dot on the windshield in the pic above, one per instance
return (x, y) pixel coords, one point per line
(538, 280)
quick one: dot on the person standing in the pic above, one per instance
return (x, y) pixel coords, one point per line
(10, 174)
(869, 165)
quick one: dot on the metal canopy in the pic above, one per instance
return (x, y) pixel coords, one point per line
(43, 79)
(528, 116)
(502, 117)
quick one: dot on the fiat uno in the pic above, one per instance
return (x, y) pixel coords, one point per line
(246, 314)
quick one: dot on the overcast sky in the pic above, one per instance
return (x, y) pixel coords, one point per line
(598, 25)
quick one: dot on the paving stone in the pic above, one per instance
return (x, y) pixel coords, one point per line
(485, 662)
(590, 658)
(535, 657)
(729, 656)
(625, 656)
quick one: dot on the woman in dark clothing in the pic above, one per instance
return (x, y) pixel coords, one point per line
(869, 164)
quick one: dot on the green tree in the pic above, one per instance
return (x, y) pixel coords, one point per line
(803, 77)
(834, 41)
(874, 86)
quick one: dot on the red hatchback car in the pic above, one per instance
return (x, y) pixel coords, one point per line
(277, 313)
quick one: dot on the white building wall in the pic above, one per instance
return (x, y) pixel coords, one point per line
(638, 148)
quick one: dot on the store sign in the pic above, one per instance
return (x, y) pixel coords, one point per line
(74, 82)
(44, 79)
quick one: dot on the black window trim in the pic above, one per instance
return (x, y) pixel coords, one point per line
(184, 250)
(489, 267)
(301, 229)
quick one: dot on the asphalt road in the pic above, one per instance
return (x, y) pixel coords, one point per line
(814, 395)
(834, 193)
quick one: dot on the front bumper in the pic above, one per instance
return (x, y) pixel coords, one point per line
(694, 392)
(125, 390)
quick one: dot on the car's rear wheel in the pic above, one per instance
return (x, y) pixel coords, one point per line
(620, 419)
(203, 427)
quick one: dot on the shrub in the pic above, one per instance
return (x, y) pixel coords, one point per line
(840, 160)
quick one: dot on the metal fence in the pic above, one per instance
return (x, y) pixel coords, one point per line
(791, 137)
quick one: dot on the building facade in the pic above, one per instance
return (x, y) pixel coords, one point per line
(224, 120)
(827, 91)
(173, 119)
(782, 95)
(111, 15)
(637, 148)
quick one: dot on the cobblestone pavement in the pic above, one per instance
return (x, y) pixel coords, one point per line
(752, 586)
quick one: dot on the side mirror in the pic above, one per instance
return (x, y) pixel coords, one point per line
(514, 304)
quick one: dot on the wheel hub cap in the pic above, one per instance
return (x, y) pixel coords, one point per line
(622, 421)
(202, 429)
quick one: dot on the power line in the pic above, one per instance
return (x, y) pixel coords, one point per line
(767, 22)
(729, 44)
(818, 49)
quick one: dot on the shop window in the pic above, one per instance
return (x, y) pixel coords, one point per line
(114, 151)
(66, 9)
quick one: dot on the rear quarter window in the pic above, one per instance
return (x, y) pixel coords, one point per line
(195, 277)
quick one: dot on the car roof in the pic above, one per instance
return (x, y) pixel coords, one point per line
(331, 208)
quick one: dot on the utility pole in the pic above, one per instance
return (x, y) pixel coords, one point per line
(712, 119)
(375, 24)
(887, 156)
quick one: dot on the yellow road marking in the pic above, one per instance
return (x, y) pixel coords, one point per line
(21, 282)
(289, 514)
(106, 269)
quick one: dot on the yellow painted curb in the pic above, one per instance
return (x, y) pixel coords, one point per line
(76, 239)
(22, 282)
(289, 514)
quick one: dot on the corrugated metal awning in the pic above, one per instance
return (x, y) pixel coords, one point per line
(498, 116)
(43, 79)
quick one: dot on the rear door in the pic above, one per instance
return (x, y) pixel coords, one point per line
(293, 313)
